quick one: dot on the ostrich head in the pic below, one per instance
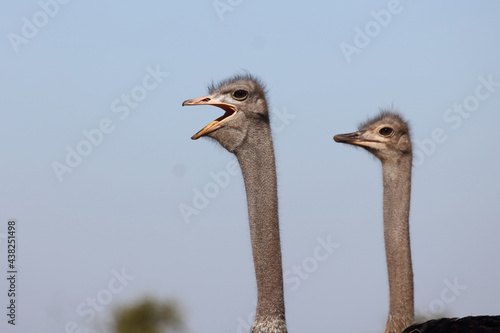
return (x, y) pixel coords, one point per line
(243, 99)
(386, 136)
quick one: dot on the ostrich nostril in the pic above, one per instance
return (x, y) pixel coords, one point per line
(206, 100)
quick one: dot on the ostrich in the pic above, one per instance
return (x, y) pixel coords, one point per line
(244, 130)
(388, 138)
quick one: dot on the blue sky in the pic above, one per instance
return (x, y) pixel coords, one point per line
(106, 81)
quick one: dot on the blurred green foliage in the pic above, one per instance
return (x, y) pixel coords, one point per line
(148, 316)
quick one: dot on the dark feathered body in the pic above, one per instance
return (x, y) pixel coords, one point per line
(478, 324)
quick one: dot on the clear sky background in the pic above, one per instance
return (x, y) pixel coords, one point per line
(108, 224)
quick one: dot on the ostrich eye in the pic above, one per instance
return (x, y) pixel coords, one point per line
(386, 131)
(240, 95)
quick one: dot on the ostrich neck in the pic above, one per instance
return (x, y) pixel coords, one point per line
(256, 158)
(397, 187)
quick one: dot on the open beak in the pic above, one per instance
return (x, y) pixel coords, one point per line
(230, 111)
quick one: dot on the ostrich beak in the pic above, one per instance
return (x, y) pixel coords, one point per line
(356, 138)
(230, 111)
(351, 138)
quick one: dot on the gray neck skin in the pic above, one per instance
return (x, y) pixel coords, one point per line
(397, 187)
(256, 158)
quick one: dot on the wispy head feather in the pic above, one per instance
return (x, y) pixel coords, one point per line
(235, 78)
(385, 115)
